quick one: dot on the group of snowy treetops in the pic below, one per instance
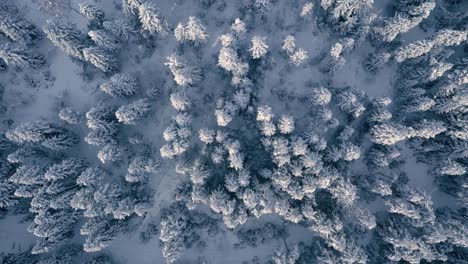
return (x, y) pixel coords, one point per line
(236, 107)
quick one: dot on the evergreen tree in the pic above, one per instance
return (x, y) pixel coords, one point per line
(194, 32)
(99, 232)
(131, 113)
(101, 137)
(20, 57)
(66, 37)
(120, 84)
(180, 101)
(92, 12)
(68, 115)
(140, 169)
(151, 21)
(7, 195)
(16, 28)
(111, 153)
(184, 74)
(104, 40)
(390, 133)
(413, 50)
(53, 228)
(102, 59)
(175, 231)
(60, 142)
(121, 30)
(451, 168)
(35, 131)
(91, 176)
(259, 47)
(65, 169)
(307, 10)
(400, 23)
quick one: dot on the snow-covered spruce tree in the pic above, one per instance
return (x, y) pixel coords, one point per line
(49, 185)
(390, 133)
(392, 27)
(67, 168)
(177, 135)
(70, 116)
(101, 116)
(90, 177)
(133, 5)
(298, 56)
(101, 137)
(112, 153)
(130, 114)
(194, 32)
(184, 74)
(175, 231)
(140, 169)
(121, 84)
(259, 47)
(7, 196)
(121, 30)
(61, 142)
(351, 103)
(103, 124)
(20, 57)
(35, 131)
(286, 255)
(443, 38)
(320, 96)
(289, 44)
(228, 59)
(307, 11)
(451, 168)
(92, 12)
(66, 37)
(348, 17)
(180, 101)
(53, 228)
(104, 40)
(16, 28)
(408, 15)
(101, 59)
(151, 21)
(99, 232)
(376, 61)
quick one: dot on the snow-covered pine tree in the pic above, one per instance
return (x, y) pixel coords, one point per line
(20, 57)
(92, 12)
(130, 114)
(66, 37)
(121, 30)
(390, 133)
(140, 169)
(259, 47)
(194, 32)
(180, 101)
(104, 40)
(112, 153)
(70, 116)
(184, 74)
(101, 59)
(16, 28)
(121, 84)
(151, 21)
